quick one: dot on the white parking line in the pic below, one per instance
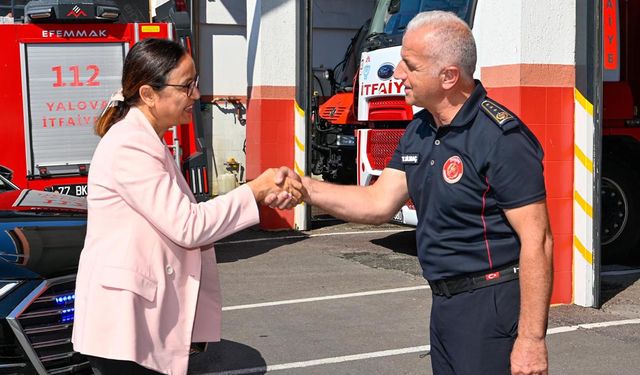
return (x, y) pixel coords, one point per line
(325, 361)
(363, 232)
(388, 353)
(324, 298)
(301, 236)
(612, 323)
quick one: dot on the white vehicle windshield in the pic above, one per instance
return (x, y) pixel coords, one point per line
(392, 16)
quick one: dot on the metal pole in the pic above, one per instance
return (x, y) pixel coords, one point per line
(195, 31)
(596, 73)
(304, 32)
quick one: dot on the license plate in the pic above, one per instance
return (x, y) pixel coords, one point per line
(399, 217)
(78, 190)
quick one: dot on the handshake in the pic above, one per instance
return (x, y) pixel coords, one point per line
(279, 188)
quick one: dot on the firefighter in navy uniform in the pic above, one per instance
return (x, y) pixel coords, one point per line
(461, 177)
(474, 172)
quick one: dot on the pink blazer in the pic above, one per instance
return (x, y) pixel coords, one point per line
(147, 282)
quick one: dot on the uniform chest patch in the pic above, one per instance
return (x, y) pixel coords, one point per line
(410, 158)
(453, 169)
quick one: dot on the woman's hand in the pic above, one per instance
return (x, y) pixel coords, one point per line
(278, 188)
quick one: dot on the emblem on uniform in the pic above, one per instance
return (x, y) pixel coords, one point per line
(499, 114)
(410, 158)
(453, 169)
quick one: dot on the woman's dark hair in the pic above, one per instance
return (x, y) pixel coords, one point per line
(147, 63)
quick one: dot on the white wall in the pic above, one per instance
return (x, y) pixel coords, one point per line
(223, 74)
(525, 32)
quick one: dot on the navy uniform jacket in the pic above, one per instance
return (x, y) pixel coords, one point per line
(461, 177)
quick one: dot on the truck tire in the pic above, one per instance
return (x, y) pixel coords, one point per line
(620, 225)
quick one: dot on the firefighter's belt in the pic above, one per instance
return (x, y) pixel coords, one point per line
(467, 283)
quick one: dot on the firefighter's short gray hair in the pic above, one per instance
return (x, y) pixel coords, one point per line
(452, 42)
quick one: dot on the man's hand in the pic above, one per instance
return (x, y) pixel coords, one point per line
(290, 182)
(529, 357)
(290, 192)
(531, 222)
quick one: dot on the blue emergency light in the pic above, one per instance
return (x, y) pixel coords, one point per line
(67, 315)
(66, 299)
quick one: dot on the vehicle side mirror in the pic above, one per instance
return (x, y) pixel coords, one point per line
(6, 172)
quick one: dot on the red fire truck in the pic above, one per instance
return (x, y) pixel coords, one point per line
(358, 128)
(56, 78)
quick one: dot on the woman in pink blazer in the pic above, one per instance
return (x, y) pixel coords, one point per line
(147, 284)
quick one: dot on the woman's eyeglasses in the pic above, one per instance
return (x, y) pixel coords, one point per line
(190, 87)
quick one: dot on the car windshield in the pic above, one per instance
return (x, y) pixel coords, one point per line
(392, 16)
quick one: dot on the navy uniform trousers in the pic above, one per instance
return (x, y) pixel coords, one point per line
(473, 332)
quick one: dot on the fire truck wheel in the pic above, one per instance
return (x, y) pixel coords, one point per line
(620, 230)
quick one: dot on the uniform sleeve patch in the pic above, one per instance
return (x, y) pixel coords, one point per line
(496, 112)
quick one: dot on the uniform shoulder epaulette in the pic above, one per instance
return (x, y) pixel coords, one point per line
(503, 118)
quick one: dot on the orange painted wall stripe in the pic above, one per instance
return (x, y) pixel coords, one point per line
(547, 75)
(272, 92)
(257, 92)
